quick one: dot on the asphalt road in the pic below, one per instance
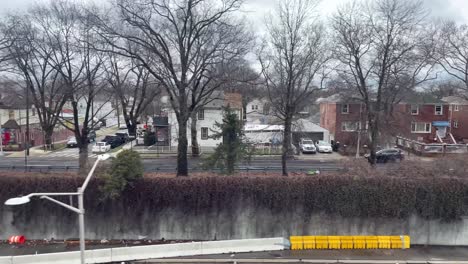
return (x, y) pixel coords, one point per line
(168, 164)
(415, 255)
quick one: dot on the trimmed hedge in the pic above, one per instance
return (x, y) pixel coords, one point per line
(347, 196)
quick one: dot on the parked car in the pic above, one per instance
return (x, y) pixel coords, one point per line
(113, 141)
(307, 146)
(123, 135)
(72, 143)
(387, 155)
(101, 147)
(323, 147)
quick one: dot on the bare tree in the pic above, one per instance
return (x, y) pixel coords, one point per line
(79, 66)
(30, 57)
(179, 42)
(292, 58)
(5, 44)
(133, 86)
(384, 51)
(452, 52)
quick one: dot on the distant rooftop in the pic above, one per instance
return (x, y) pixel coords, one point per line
(455, 100)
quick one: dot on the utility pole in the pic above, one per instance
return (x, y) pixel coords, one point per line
(1, 136)
(26, 152)
(358, 148)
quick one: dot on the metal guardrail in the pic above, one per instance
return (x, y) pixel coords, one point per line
(49, 168)
(39, 168)
(250, 169)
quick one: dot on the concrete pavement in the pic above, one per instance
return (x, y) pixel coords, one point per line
(417, 254)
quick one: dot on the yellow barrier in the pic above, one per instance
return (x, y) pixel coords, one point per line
(384, 242)
(309, 242)
(406, 240)
(321, 242)
(372, 242)
(349, 242)
(334, 242)
(296, 243)
(396, 242)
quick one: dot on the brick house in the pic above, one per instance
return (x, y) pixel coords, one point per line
(421, 118)
(458, 116)
(343, 118)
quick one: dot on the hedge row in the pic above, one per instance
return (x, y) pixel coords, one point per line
(431, 198)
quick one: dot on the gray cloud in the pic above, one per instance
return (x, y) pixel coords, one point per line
(256, 9)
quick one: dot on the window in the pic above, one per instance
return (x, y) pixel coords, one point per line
(254, 107)
(420, 127)
(201, 114)
(349, 126)
(415, 109)
(456, 108)
(345, 109)
(11, 114)
(204, 133)
(439, 110)
(455, 123)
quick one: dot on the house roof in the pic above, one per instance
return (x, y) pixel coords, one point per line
(11, 124)
(338, 98)
(455, 100)
(421, 98)
(304, 125)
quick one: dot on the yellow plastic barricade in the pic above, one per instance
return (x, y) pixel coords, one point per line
(296, 242)
(347, 242)
(406, 242)
(334, 242)
(372, 242)
(396, 242)
(309, 242)
(384, 242)
(321, 242)
(359, 242)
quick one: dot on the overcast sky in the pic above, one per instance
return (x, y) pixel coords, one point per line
(256, 9)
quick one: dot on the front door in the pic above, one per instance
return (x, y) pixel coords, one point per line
(442, 132)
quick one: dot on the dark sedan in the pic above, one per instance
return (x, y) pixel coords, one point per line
(387, 155)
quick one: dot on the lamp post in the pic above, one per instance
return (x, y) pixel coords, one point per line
(80, 210)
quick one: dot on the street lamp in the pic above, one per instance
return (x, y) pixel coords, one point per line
(80, 210)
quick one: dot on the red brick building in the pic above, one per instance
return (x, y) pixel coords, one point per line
(423, 119)
(458, 116)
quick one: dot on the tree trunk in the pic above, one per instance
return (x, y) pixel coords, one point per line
(48, 132)
(231, 154)
(132, 127)
(182, 162)
(374, 129)
(286, 144)
(83, 158)
(193, 135)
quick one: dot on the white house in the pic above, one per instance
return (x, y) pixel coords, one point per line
(258, 111)
(207, 117)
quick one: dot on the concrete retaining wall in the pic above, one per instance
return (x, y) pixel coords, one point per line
(148, 252)
(244, 222)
